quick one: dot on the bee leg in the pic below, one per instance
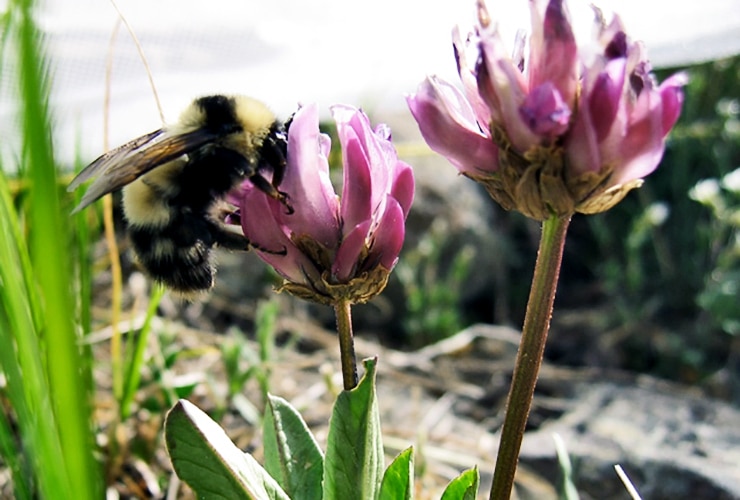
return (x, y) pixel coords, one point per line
(265, 186)
(229, 239)
(278, 172)
(273, 155)
(282, 251)
(235, 241)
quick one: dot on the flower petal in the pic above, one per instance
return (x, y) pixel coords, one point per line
(468, 79)
(264, 231)
(355, 206)
(346, 260)
(503, 88)
(641, 148)
(365, 171)
(403, 186)
(448, 125)
(582, 145)
(603, 98)
(388, 236)
(672, 96)
(307, 182)
(553, 53)
(545, 112)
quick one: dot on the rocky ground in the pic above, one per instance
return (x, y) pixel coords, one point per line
(447, 401)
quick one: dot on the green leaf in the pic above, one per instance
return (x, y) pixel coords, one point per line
(68, 397)
(566, 487)
(292, 455)
(353, 465)
(134, 365)
(206, 459)
(463, 487)
(21, 361)
(398, 480)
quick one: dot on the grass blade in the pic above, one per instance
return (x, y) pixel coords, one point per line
(56, 388)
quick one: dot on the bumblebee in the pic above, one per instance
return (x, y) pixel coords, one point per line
(175, 180)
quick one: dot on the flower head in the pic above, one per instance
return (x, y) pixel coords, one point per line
(566, 129)
(333, 248)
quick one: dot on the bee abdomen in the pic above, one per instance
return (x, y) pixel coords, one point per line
(178, 255)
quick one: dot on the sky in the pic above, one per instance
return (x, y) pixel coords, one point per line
(368, 53)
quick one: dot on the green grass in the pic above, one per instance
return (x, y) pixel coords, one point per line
(46, 432)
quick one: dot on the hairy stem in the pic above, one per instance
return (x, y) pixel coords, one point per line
(343, 312)
(529, 356)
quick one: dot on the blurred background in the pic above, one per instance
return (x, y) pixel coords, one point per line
(649, 286)
(288, 52)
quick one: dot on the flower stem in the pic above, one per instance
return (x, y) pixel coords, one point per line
(531, 350)
(343, 312)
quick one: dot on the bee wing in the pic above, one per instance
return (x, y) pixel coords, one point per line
(114, 155)
(125, 164)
